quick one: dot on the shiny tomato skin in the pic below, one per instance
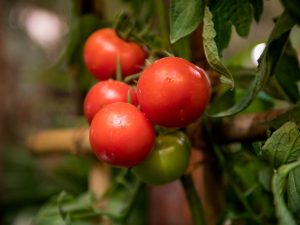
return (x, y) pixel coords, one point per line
(104, 93)
(102, 49)
(173, 92)
(121, 135)
(168, 160)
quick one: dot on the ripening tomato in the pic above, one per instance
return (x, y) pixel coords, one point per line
(121, 135)
(167, 161)
(104, 93)
(173, 92)
(102, 50)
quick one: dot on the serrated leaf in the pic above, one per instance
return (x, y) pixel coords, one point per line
(267, 63)
(211, 50)
(293, 190)
(258, 6)
(287, 72)
(185, 17)
(279, 182)
(283, 146)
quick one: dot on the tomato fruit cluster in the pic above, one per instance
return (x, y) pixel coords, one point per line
(171, 92)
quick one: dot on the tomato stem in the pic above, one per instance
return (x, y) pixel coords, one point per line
(193, 200)
(119, 70)
(132, 77)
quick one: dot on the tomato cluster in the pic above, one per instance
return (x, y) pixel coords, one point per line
(171, 92)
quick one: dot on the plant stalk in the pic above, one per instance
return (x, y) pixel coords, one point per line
(193, 200)
(163, 22)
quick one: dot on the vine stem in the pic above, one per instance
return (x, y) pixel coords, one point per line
(163, 22)
(193, 200)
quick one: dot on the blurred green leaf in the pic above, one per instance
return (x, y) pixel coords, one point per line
(267, 63)
(258, 6)
(265, 178)
(279, 182)
(61, 208)
(292, 115)
(49, 215)
(222, 102)
(211, 51)
(185, 17)
(293, 190)
(261, 103)
(182, 48)
(72, 174)
(293, 8)
(287, 73)
(283, 146)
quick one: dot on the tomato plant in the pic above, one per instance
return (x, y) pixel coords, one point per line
(103, 49)
(167, 161)
(106, 92)
(173, 92)
(251, 165)
(121, 135)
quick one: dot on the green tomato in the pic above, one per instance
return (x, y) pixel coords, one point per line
(167, 161)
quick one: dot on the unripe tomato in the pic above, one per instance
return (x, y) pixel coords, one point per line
(121, 135)
(167, 161)
(102, 50)
(104, 93)
(173, 92)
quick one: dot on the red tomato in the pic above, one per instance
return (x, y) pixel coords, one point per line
(121, 135)
(102, 49)
(104, 93)
(173, 92)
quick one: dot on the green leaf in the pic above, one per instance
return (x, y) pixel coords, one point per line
(265, 178)
(279, 182)
(292, 115)
(258, 6)
(182, 48)
(283, 146)
(223, 31)
(267, 63)
(222, 102)
(287, 73)
(293, 191)
(211, 50)
(49, 215)
(240, 14)
(185, 17)
(293, 8)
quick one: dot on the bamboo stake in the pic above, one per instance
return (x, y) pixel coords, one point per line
(73, 140)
